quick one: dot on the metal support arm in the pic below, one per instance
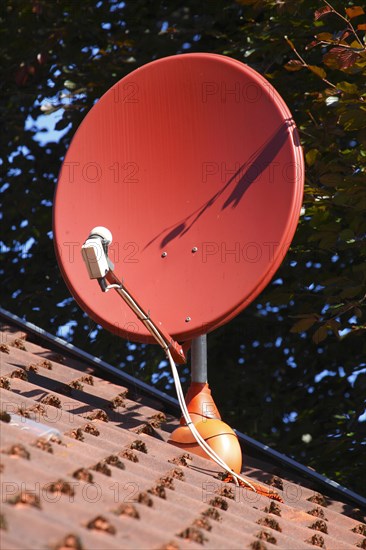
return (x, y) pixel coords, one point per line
(162, 337)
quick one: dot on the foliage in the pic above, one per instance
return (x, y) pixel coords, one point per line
(290, 370)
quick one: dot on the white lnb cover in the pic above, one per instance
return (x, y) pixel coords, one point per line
(102, 232)
(95, 258)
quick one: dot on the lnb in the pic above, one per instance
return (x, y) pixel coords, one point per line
(94, 252)
(101, 232)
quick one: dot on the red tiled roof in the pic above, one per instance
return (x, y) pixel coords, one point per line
(110, 480)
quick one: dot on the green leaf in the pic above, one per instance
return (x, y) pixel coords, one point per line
(332, 179)
(62, 123)
(360, 382)
(311, 156)
(304, 324)
(70, 85)
(347, 87)
(353, 119)
(325, 37)
(346, 234)
(48, 108)
(351, 291)
(358, 312)
(337, 306)
(334, 325)
(317, 70)
(320, 334)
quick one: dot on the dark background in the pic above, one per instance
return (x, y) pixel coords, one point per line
(290, 370)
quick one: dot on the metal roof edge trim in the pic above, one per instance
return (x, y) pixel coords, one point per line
(78, 352)
(286, 461)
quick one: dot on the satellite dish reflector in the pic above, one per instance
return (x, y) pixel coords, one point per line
(193, 163)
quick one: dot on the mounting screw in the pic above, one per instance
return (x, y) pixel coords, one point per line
(194, 249)
(187, 319)
(164, 254)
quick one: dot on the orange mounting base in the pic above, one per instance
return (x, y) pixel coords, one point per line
(207, 420)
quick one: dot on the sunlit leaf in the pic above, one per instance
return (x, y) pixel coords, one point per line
(357, 46)
(48, 108)
(318, 71)
(353, 119)
(70, 85)
(294, 65)
(322, 11)
(348, 87)
(311, 156)
(354, 11)
(324, 36)
(340, 58)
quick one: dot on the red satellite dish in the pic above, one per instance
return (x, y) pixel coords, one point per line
(193, 162)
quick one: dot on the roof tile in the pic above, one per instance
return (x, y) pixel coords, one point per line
(108, 479)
